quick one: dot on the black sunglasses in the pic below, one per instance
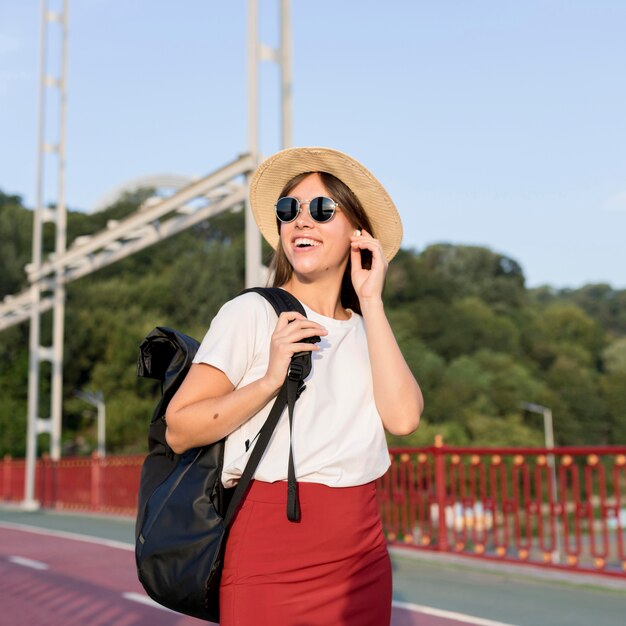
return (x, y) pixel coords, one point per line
(321, 209)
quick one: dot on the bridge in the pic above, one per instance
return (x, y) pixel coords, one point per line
(496, 505)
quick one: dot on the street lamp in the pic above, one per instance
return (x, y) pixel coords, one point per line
(97, 399)
(547, 421)
(548, 430)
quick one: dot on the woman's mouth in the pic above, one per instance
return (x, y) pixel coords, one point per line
(305, 243)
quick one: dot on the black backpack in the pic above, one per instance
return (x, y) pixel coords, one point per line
(183, 511)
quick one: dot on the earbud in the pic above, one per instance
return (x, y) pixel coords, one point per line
(357, 233)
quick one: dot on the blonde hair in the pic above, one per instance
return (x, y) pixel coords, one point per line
(354, 212)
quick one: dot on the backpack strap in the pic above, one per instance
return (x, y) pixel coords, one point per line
(293, 386)
(280, 299)
(255, 457)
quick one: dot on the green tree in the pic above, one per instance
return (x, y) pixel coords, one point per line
(563, 329)
(614, 356)
(613, 389)
(473, 326)
(580, 416)
(476, 271)
(488, 384)
(15, 244)
(479, 343)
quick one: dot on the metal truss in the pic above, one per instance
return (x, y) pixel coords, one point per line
(158, 181)
(156, 220)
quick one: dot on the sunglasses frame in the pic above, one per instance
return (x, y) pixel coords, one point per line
(308, 203)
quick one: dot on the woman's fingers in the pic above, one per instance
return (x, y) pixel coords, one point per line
(367, 283)
(292, 329)
(304, 347)
(298, 327)
(290, 334)
(288, 317)
(366, 242)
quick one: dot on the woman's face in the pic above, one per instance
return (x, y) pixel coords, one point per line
(314, 249)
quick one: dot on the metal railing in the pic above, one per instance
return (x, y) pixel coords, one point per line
(559, 508)
(90, 484)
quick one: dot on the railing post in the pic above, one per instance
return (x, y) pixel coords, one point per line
(440, 492)
(6, 475)
(95, 481)
(42, 490)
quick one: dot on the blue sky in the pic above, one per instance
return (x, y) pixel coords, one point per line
(491, 122)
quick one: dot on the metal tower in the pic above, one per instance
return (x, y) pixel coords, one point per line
(158, 219)
(51, 141)
(282, 57)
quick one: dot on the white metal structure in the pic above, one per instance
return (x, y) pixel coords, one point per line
(53, 26)
(157, 181)
(208, 196)
(157, 219)
(258, 52)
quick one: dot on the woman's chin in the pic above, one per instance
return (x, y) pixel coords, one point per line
(306, 273)
(308, 269)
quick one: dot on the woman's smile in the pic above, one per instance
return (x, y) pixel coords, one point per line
(306, 244)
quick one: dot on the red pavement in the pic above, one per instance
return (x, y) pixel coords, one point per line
(84, 584)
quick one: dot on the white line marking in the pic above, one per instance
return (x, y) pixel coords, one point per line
(20, 560)
(65, 535)
(459, 617)
(137, 597)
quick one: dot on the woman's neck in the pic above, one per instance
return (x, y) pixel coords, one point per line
(324, 299)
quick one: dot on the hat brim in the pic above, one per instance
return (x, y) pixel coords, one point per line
(276, 171)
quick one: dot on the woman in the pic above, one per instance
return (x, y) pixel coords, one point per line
(321, 211)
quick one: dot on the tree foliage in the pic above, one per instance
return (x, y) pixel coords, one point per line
(480, 344)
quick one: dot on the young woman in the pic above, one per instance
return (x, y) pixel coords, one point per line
(334, 228)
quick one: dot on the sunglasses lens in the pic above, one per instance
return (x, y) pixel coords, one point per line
(322, 209)
(287, 209)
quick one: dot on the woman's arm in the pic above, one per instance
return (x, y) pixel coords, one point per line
(397, 395)
(207, 407)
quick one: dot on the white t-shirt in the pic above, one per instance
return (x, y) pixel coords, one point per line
(338, 437)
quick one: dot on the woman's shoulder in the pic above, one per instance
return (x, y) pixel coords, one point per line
(246, 298)
(240, 322)
(249, 306)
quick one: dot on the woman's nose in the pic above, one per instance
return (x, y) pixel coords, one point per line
(304, 217)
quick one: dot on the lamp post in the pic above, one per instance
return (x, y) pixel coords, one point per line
(97, 399)
(548, 430)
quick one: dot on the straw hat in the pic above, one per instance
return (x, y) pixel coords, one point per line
(276, 171)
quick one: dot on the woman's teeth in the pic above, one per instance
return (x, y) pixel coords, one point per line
(301, 242)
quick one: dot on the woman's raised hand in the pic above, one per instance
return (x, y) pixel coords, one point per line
(368, 284)
(287, 339)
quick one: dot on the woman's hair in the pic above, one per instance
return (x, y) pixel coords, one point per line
(352, 209)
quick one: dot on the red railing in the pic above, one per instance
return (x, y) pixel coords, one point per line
(557, 508)
(90, 484)
(562, 508)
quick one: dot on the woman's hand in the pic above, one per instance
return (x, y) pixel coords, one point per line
(287, 339)
(368, 284)
(397, 395)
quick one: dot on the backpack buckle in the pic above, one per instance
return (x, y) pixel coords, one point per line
(295, 371)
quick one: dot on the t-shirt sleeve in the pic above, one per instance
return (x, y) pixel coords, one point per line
(233, 339)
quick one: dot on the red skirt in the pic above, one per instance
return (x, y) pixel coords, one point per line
(331, 568)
